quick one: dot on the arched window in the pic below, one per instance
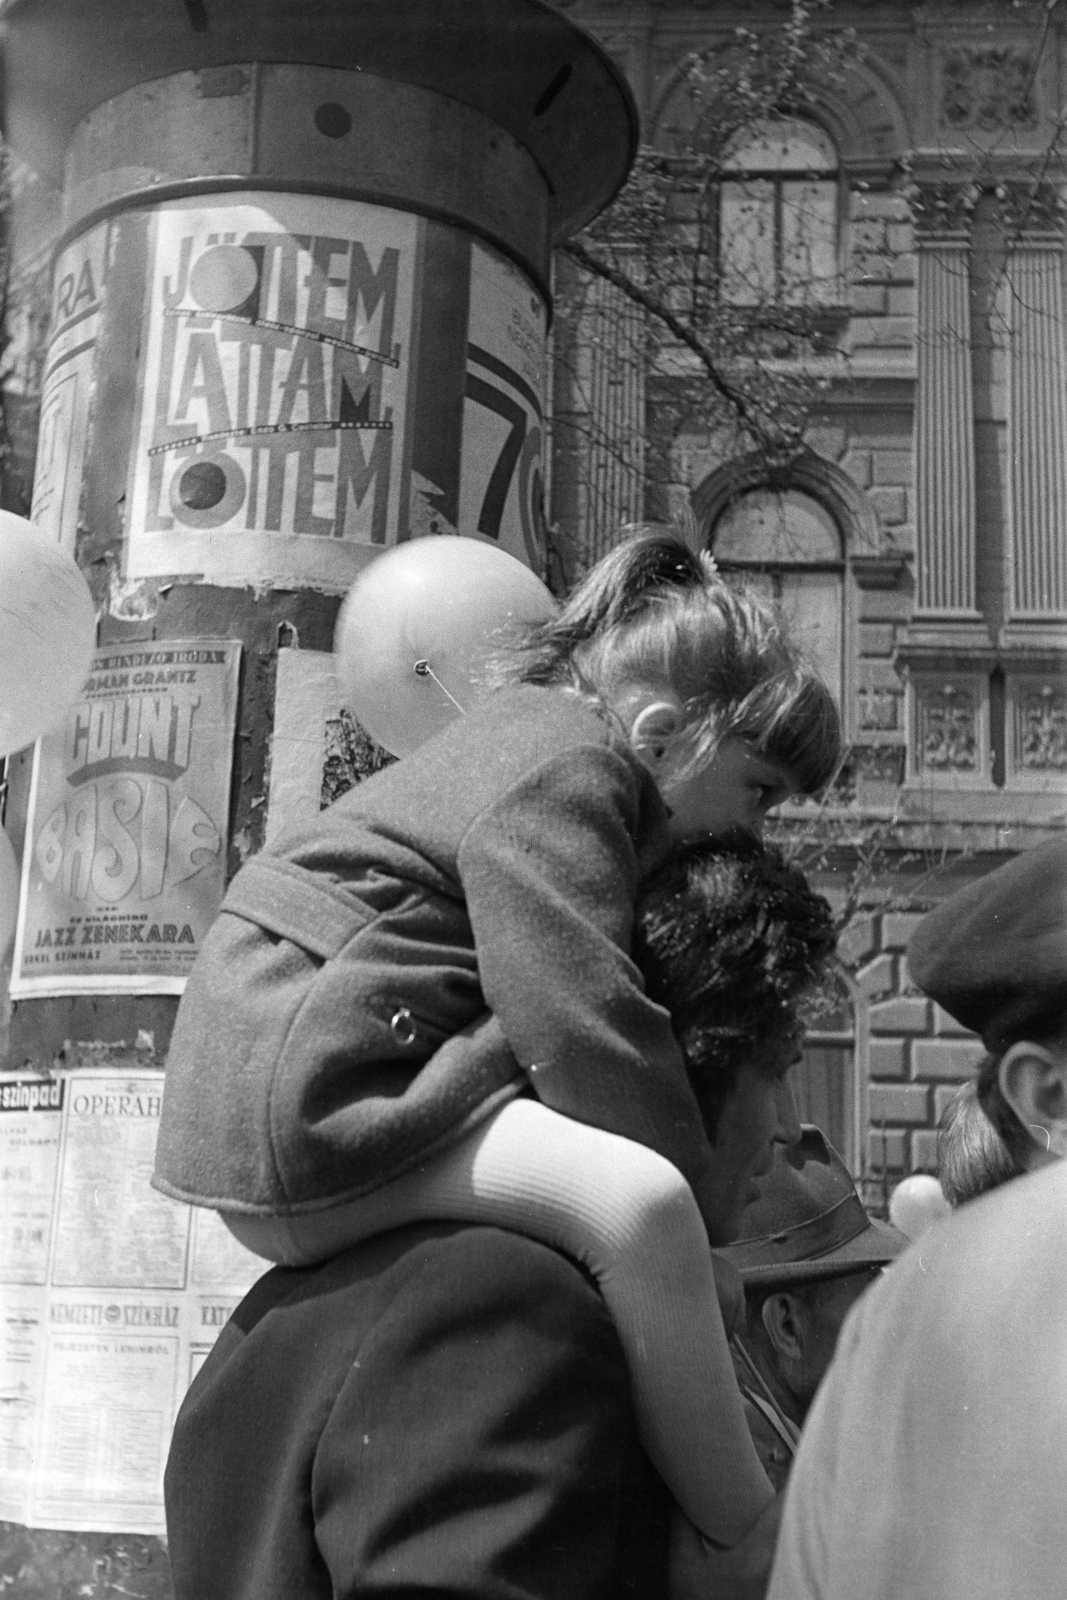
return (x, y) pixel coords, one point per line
(778, 215)
(788, 545)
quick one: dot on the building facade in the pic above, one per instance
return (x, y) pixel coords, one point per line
(912, 204)
(919, 537)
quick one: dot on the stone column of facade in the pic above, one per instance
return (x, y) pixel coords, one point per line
(612, 346)
(943, 652)
(1037, 429)
(944, 431)
(1033, 639)
(598, 416)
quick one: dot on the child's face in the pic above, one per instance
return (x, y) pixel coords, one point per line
(735, 789)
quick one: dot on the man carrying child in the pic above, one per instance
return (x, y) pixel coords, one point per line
(446, 1408)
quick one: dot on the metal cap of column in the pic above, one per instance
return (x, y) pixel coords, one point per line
(518, 62)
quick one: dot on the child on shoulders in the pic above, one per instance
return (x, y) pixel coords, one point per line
(332, 1071)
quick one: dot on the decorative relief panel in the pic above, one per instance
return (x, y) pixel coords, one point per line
(878, 710)
(1038, 726)
(949, 733)
(942, 207)
(878, 763)
(1031, 206)
(948, 730)
(987, 87)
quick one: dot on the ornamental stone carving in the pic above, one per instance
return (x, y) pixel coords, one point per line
(987, 87)
(1041, 728)
(948, 729)
(878, 763)
(878, 710)
(1031, 206)
(942, 206)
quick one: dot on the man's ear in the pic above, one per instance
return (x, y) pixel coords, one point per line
(654, 730)
(1034, 1083)
(782, 1325)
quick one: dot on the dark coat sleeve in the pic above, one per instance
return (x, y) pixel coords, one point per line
(483, 1442)
(550, 874)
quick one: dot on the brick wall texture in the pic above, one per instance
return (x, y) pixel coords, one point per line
(919, 1055)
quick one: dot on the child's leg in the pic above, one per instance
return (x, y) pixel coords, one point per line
(631, 1218)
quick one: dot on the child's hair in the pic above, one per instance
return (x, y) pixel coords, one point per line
(972, 1157)
(654, 612)
(731, 940)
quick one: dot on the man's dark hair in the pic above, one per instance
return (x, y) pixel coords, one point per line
(730, 940)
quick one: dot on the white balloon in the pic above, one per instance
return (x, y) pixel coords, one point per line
(47, 632)
(916, 1204)
(416, 628)
(9, 892)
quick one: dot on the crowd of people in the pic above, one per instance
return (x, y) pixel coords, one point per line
(493, 1060)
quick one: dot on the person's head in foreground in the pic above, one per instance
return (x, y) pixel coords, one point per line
(734, 942)
(994, 955)
(933, 1460)
(806, 1252)
(972, 1158)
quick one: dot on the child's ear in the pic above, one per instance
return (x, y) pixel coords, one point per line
(654, 730)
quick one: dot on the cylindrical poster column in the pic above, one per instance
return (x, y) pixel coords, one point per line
(299, 316)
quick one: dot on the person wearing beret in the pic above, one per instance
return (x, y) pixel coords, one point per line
(934, 1461)
(806, 1252)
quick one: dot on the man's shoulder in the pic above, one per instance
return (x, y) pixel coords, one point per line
(1002, 1250)
(494, 1353)
(444, 1273)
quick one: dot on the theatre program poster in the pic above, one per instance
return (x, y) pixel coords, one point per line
(125, 857)
(111, 1297)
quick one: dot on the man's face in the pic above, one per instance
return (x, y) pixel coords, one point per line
(759, 1114)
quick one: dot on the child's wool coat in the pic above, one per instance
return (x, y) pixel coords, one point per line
(319, 1048)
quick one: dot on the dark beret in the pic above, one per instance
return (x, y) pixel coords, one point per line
(995, 954)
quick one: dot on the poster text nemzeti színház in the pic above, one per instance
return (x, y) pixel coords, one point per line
(111, 1297)
(125, 855)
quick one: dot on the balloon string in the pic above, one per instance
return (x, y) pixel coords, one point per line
(423, 669)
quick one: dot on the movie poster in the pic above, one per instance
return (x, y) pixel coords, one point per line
(125, 858)
(271, 400)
